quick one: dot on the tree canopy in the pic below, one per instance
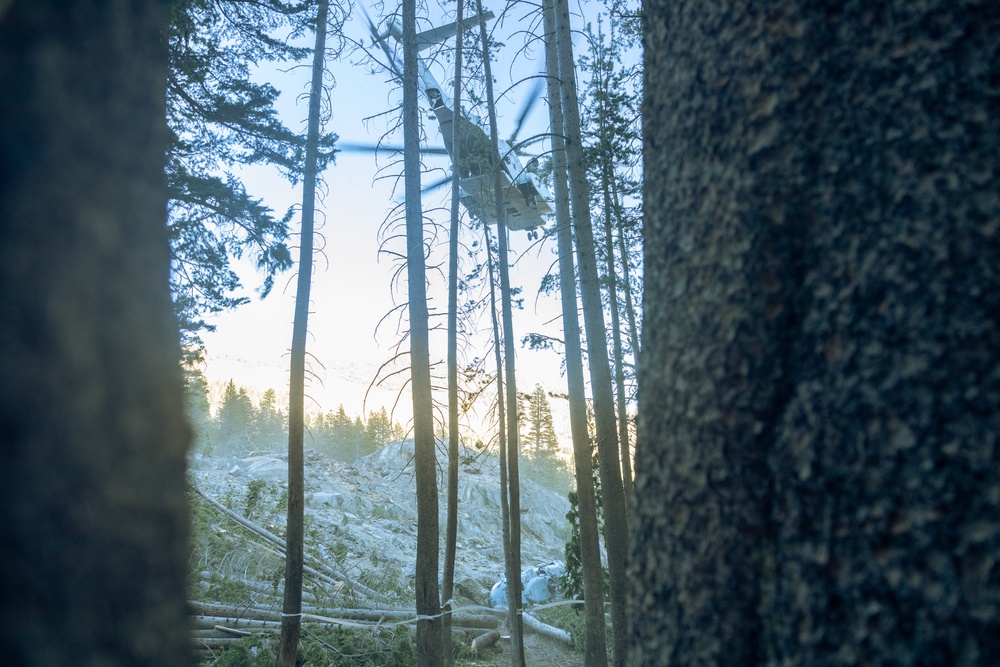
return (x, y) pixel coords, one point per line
(220, 121)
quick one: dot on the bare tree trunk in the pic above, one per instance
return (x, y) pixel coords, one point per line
(510, 570)
(595, 645)
(503, 264)
(819, 378)
(430, 649)
(451, 526)
(513, 477)
(606, 165)
(615, 531)
(616, 338)
(93, 512)
(633, 327)
(291, 616)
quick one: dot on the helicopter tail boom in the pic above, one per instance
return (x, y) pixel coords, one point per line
(429, 38)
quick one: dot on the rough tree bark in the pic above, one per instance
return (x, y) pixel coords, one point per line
(820, 372)
(93, 514)
(595, 651)
(430, 647)
(291, 609)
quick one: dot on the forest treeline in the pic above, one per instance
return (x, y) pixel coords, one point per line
(239, 426)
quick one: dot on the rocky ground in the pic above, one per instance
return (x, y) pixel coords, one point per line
(361, 517)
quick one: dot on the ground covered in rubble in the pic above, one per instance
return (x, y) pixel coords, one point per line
(361, 524)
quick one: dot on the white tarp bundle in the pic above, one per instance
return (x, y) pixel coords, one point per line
(537, 584)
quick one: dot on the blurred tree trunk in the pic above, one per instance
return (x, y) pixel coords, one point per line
(291, 615)
(93, 503)
(430, 647)
(595, 643)
(820, 374)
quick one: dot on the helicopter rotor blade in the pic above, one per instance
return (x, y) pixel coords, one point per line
(444, 180)
(526, 107)
(355, 147)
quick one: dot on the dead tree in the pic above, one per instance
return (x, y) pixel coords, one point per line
(292, 605)
(429, 640)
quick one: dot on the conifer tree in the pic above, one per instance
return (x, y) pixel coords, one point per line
(540, 444)
(609, 122)
(451, 521)
(541, 439)
(234, 420)
(221, 120)
(196, 405)
(378, 430)
(270, 421)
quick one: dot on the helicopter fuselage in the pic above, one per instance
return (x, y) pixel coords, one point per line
(525, 198)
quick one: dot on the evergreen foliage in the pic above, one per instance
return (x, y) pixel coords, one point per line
(235, 422)
(324, 646)
(543, 461)
(220, 120)
(269, 420)
(196, 405)
(240, 427)
(540, 438)
(572, 579)
(610, 113)
(337, 435)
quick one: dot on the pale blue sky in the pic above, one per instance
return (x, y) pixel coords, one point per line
(352, 284)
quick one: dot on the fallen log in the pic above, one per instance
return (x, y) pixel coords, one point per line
(203, 622)
(485, 640)
(197, 608)
(214, 643)
(221, 631)
(316, 568)
(233, 631)
(242, 615)
(402, 615)
(547, 630)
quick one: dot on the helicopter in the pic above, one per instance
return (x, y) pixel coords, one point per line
(526, 199)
